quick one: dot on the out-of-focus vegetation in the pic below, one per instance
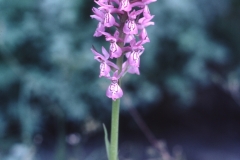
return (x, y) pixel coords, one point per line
(49, 84)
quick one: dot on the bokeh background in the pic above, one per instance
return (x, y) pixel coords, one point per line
(53, 104)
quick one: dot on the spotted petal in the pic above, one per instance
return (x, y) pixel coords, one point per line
(109, 20)
(104, 70)
(114, 91)
(130, 27)
(124, 5)
(115, 50)
(134, 58)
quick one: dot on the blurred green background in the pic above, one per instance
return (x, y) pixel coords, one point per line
(53, 104)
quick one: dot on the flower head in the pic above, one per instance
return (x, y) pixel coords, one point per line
(123, 23)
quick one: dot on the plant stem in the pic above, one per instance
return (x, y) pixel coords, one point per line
(114, 130)
(115, 121)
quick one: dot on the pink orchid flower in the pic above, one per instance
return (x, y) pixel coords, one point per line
(105, 64)
(130, 26)
(114, 91)
(134, 55)
(103, 14)
(114, 50)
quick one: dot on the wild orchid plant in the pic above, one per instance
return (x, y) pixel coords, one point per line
(128, 18)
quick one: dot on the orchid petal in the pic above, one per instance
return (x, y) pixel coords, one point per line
(109, 20)
(99, 30)
(114, 91)
(130, 27)
(116, 34)
(112, 65)
(97, 17)
(96, 53)
(134, 58)
(115, 75)
(97, 12)
(128, 38)
(124, 5)
(104, 70)
(148, 1)
(133, 70)
(146, 12)
(144, 36)
(105, 53)
(115, 50)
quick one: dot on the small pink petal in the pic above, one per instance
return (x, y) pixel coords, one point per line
(97, 56)
(124, 5)
(144, 22)
(134, 58)
(115, 50)
(144, 36)
(109, 63)
(133, 70)
(146, 12)
(97, 17)
(115, 76)
(148, 1)
(128, 38)
(109, 20)
(130, 69)
(98, 12)
(105, 53)
(116, 34)
(114, 91)
(100, 28)
(104, 70)
(130, 27)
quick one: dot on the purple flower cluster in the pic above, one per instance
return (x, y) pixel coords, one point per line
(129, 19)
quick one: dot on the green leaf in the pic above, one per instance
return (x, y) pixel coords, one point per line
(107, 143)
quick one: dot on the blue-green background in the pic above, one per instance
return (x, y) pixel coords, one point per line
(188, 92)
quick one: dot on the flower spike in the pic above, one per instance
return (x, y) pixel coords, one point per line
(123, 23)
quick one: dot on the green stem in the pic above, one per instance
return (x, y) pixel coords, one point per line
(114, 130)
